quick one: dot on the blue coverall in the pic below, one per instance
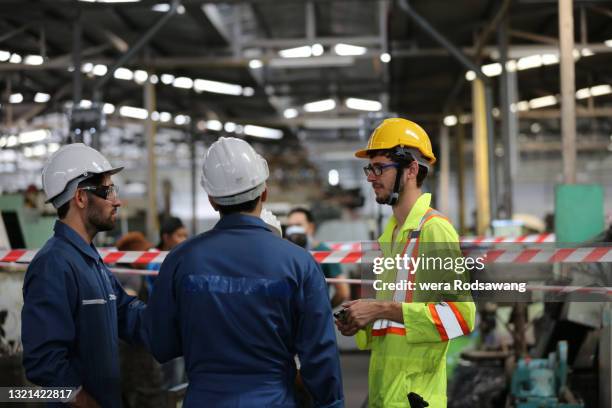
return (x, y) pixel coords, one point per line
(73, 315)
(239, 303)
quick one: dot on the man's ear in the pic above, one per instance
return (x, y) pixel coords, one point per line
(80, 198)
(411, 171)
(212, 202)
(264, 195)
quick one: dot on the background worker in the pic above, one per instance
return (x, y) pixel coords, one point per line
(303, 217)
(407, 331)
(74, 309)
(239, 302)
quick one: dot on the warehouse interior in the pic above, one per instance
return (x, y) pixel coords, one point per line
(515, 95)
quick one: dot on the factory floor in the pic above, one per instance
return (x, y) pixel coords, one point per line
(355, 377)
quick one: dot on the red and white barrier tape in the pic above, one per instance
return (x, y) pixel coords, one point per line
(525, 255)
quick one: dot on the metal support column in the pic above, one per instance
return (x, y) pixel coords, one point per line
(460, 147)
(444, 181)
(493, 179)
(150, 131)
(481, 160)
(568, 89)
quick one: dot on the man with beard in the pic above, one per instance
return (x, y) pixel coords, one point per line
(408, 331)
(74, 309)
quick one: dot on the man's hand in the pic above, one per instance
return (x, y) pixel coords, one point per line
(83, 400)
(360, 313)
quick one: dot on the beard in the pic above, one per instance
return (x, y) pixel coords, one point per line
(98, 221)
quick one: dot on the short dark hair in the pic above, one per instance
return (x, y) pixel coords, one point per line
(388, 153)
(93, 181)
(307, 213)
(247, 206)
(169, 225)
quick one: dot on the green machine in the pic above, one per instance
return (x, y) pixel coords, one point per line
(579, 212)
(25, 227)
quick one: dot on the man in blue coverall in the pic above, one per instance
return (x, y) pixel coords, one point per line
(74, 309)
(239, 302)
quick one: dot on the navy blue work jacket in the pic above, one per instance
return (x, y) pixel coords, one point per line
(239, 303)
(73, 315)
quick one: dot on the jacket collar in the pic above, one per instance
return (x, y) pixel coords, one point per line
(63, 230)
(413, 219)
(237, 220)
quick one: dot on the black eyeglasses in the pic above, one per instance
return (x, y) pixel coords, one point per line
(105, 192)
(378, 169)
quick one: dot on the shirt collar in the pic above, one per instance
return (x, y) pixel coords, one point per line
(238, 220)
(66, 232)
(418, 210)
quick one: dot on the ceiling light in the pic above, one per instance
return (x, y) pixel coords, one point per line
(492, 70)
(140, 76)
(16, 98)
(317, 50)
(450, 120)
(255, 64)
(608, 43)
(601, 90)
(100, 70)
(85, 103)
(183, 82)
(53, 147)
(133, 112)
(550, 59)
(363, 104)
(123, 73)
(587, 52)
(34, 136)
(263, 132)
(4, 56)
(165, 117)
(41, 97)
(214, 125)
(297, 52)
(167, 79)
(108, 108)
(110, 1)
(15, 59)
(320, 106)
(290, 113)
(333, 177)
(201, 85)
(532, 61)
(511, 66)
(33, 60)
(154, 79)
(12, 141)
(180, 120)
(385, 57)
(161, 7)
(542, 101)
(470, 75)
(229, 127)
(522, 106)
(348, 49)
(248, 91)
(583, 93)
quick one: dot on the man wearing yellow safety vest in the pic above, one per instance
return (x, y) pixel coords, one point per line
(407, 332)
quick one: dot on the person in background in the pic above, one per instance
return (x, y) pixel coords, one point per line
(141, 375)
(302, 217)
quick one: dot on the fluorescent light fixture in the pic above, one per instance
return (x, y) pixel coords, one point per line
(348, 49)
(532, 61)
(155, 116)
(317, 50)
(140, 76)
(41, 97)
(85, 103)
(263, 132)
(167, 79)
(320, 106)
(133, 112)
(450, 120)
(181, 120)
(319, 62)
(470, 75)
(12, 141)
(550, 59)
(583, 93)
(108, 108)
(123, 73)
(110, 1)
(385, 57)
(100, 69)
(33, 60)
(608, 43)
(522, 106)
(229, 127)
(255, 64)
(3, 141)
(333, 177)
(34, 136)
(87, 67)
(165, 117)
(15, 59)
(601, 90)
(363, 104)
(204, 85)
(53, 147)
(511, 66)
(214, 125)
(161, 7)
(183, 82)
(587, 52)
(154, 79)
(543, 101)
(576, 53)
(290, 113)
(492, 70)
(304, 51)
(4, 56)
(248, 91)
(16, 98)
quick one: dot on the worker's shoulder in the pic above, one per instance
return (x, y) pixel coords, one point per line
(439, 227)
(54, 257)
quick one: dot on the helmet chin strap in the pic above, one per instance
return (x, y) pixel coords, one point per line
(394, 196)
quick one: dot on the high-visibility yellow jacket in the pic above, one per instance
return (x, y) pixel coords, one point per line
(411, 357)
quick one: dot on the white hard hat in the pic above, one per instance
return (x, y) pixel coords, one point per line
(233, 173)
(69, 163)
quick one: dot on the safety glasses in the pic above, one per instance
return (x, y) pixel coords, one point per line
(109, 193)
(378, 169)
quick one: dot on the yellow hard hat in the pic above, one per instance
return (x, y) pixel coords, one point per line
(399, 132)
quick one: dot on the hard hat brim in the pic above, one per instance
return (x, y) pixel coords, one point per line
(362, 154)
